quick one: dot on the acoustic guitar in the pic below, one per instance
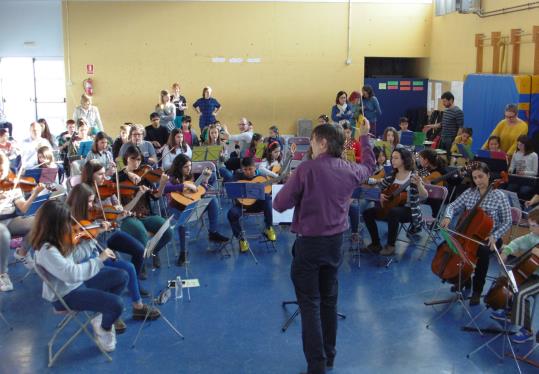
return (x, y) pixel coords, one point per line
(187, 196)
(268, 182)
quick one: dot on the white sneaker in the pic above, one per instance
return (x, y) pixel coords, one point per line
(105, 339)
(27, 260)
(96, 321)
(5, 283)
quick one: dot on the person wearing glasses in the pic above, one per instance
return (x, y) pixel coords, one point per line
(509, 129)
(136, 138)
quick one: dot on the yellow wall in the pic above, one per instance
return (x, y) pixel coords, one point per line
(453, 51)
(140, 48)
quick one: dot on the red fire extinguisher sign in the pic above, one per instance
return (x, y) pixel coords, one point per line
(89, 68)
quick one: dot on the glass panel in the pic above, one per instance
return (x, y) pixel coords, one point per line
(17, 75)
(50, 92)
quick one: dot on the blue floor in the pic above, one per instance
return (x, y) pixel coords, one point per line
(233, 322)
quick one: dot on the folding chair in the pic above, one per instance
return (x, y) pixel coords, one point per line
(69, 315)
(516, 216)
(73, 181)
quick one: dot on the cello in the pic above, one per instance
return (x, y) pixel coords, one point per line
(474, 224)
(501, 293)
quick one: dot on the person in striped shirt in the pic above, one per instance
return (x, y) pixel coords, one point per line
(452, 122)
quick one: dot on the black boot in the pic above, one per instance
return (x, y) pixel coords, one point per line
(217, 237)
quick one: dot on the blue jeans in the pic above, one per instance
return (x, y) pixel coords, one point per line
(101, 295)
(132, 285)
(139, 229)
(235, 213)
(227, 175)
(123, 242)
(213, 212)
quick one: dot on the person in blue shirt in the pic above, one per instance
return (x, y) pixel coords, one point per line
(341, 111)
(371, 107)
(207, 107)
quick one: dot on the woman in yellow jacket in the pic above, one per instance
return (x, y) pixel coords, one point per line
(509, 129)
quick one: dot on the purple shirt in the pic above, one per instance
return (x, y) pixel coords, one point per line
(320, 191)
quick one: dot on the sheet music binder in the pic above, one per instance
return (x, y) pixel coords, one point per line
(206, 153)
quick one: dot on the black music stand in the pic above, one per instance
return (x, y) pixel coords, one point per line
(505, 333)
(239, 190)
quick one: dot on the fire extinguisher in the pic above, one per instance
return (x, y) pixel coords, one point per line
(88, 85)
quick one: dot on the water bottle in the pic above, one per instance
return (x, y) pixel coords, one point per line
(179, 288)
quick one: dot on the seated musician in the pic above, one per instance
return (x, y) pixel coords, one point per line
(248, 172)
(431, 162)
(404, 123)
(520, 313)
(214, 138)
(464, 138)
(181, 179)
(272, 160)
(252, 151)
(155, 133)
(524, 163)
(83, 135)
(381, 161)
(81, 202)
(88, 286)
(176, 145)
(496, 206)
(46, 160)
(352, 148)
(100, 151)
(494, 144)
(392, 137)
(403, 165)
(123, 138)
(509, 129)
(142, 228)
(30, 145)
(12, 205)
(136, 137)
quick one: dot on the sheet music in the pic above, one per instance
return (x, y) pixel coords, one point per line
(150, 246)
(287, 215)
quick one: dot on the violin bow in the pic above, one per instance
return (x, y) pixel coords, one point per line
(100, 201)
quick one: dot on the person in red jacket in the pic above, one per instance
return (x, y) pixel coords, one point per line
(351, 144)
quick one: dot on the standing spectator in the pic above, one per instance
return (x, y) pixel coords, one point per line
(244, 137)
(89, 113)
(452, 121)
(207, 107)
(156, 134)
(341, 111)
(371, 107)
(166, 111)
(509, 129)
(179, 102)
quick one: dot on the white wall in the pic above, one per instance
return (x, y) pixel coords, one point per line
(31, 21)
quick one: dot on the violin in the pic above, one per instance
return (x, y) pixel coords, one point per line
(475, 224)
(109, 213)
(501, 292)
(148, 173)
(127, 189)
(90, 231)
(26, 184)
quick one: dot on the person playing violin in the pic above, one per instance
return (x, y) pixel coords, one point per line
(403, 165)
(81, 200)
(12, 204)
(248, 171)
(89, 286)
(520, 313)
(496, 205)
(140, 228)
(181, 179)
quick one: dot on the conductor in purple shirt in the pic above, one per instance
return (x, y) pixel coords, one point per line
(320, 190)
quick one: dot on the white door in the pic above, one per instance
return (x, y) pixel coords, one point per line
(51, 93)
